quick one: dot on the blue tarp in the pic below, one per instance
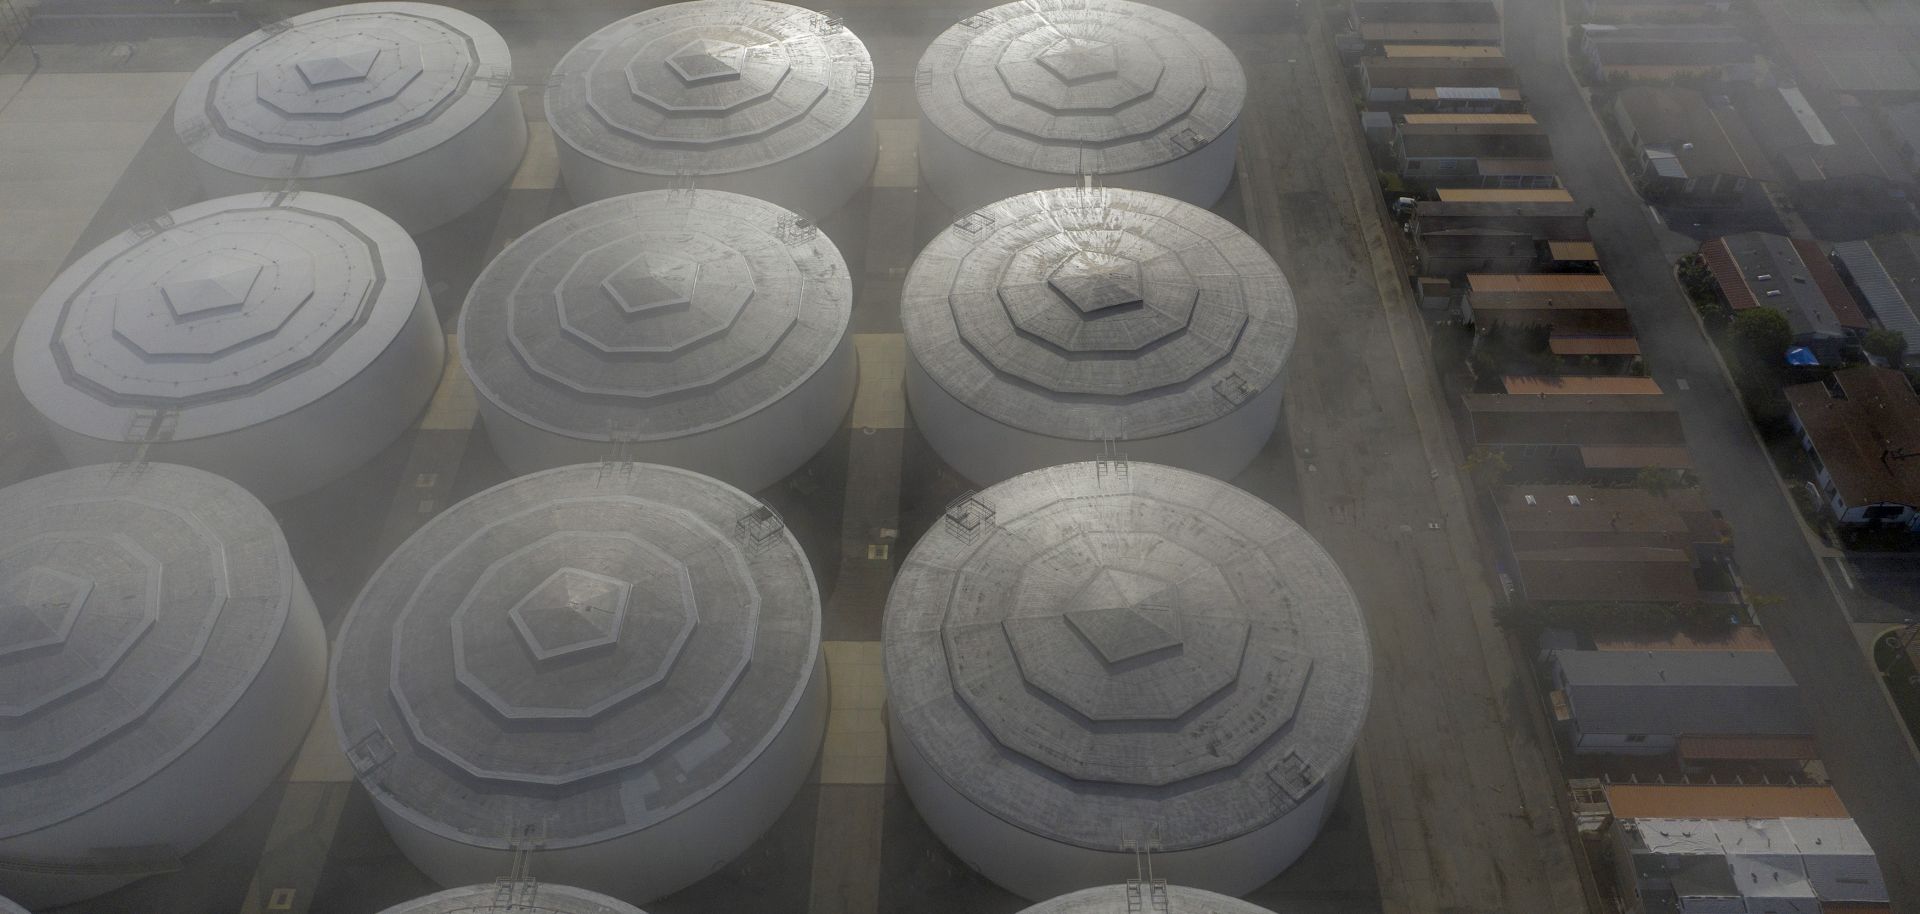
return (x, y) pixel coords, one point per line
(1801, 355)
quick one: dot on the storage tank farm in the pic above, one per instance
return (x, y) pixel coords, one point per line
(8, 907)
(160, 659)
(1058, 325)
(1099, 659)
(525, 897)
(1041, 93)
(404, 106)
(758, 98)
(615, 668)
(279, 340)
(696, 328)
(1145, 896)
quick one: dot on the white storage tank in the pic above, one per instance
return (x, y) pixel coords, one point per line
(1107, 656)
(750, 96)
(700, 329)
(160, 661)
(525, 897)
(1060, 325)
(405, 106)
(1144, 897)
(279, 340)
(1039, 93)
(615, 667)
(8, 907)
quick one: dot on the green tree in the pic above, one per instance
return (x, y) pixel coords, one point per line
(1658, 481)
(1487, 467)
(1760, 337)
(1886, 345)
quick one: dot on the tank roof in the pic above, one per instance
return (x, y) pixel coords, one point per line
(137, 604)
(655, 315)
(709, 87)
(1080, 87)
(1098, 313)
(518, 898)
(342, 90)
(1105, 651)
(590, 650)
(219, 316)
(1132, 899)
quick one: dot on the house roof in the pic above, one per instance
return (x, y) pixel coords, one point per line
(1450, 11)
(1704, 140)
(1593, 345)
(1506, 194)
(1681, 693)
(1566, 515)
(1816, 136)
(1667, 45)
(1573, 250)
(1748, 748)
(1417, 72)
(1628, 457)
(1529, 167)
(1436, 93)
(1608, 574)
(1602, 420)
(1539, 282)
(1715, 801)
(1788, 275)
(1430, 31)
(1462, 117)
(1579, 386)
(1428, 51)
(1863, 434)
(1493, 141)
(1741, 638)
(1886, 270)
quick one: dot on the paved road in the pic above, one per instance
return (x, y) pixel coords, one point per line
(1454, 762)
(1871, 763)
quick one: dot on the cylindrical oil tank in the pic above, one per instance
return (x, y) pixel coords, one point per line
(1111, 657)
(408, 107)
(750, 96)
(615, 668)
(1042, 93)
(8, 907)
(1064, 324)
(522, 897)
(695, 328)
(1142, 897)
(160, 660)
(279, 340)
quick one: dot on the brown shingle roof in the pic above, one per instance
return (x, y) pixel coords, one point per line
(1716, 801)
(1627, 574)
(1861, 435)
(1635, 421)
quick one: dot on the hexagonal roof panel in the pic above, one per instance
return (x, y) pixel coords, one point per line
(655, 315)
(1148, 652)
(709, 87)
(538, 898)
(639, 603)
(116, 584)
(1098, 314)
(342, 89)
(1079, 87)
(1125, 899)
(223, 315)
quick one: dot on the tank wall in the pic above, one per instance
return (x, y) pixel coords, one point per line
(966, 180)
(1038, 868)
(987, 451)
(665, 858)
(751, 453)
(423, 191)
(203, 790)
(293, 454)
(814, 183)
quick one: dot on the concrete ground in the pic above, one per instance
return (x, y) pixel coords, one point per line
(1452, 804)
(1872, 763)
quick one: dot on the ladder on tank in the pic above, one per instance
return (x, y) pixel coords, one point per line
(1146, 893)
(518, 889)
(13, 25)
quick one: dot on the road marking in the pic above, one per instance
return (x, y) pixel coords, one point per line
(1682, 384)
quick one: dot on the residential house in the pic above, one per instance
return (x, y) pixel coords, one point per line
(1831, 151)
(1577, 543)
(1458, 237)
(1687, 152)
(1885, 274)
(1661, 10)
(1580, 436)
(1749, 865)
(1390, 79)
(1665, 52)
(1585, 316)
(1441, 22)
(1642, 703)
(1445, 154)
(1902, 126)
(1793, 277)
(1443, 99)
(1861, 429)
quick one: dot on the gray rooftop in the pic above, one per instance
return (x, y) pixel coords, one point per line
(1124, 899)
(1080, 87)
(519, 898)
(137, 603)
(1098, 314)
(1225, 674)
(709, 87)
(1873, 275)
(222, 315)
(655, 315)
(342, 90)
(1777, 274)
(1681, 693)
(594, 649)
